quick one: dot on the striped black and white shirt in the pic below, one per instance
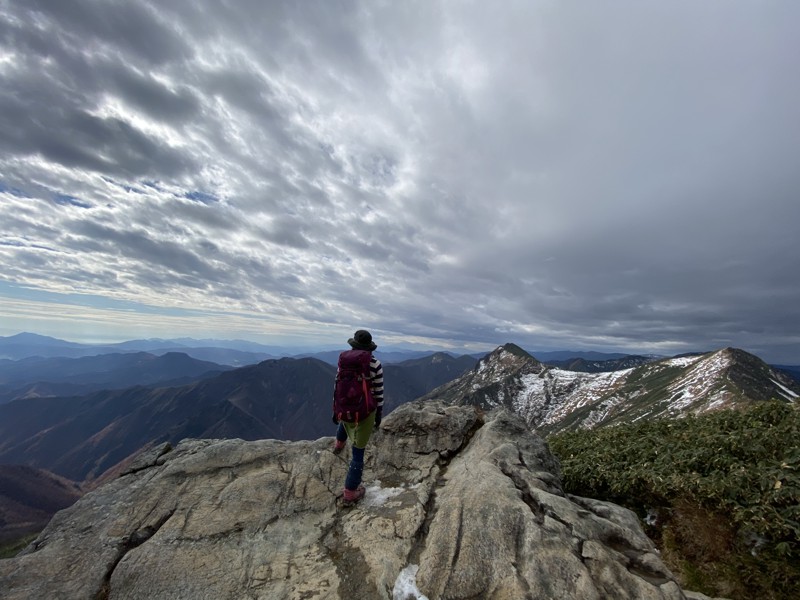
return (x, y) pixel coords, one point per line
(376, 380)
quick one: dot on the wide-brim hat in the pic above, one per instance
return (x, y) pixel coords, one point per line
(362, 340)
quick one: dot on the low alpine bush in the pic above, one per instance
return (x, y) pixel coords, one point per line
(719, 493)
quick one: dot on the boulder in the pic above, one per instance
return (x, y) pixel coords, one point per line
(459, 504)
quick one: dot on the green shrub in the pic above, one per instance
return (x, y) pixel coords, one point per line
(725, 486)
(11, 548)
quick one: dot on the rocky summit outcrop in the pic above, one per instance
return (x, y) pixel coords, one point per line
(459, 505)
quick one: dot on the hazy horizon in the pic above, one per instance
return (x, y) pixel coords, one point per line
(328, 347)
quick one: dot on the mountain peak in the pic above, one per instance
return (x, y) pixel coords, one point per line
(512, 349)
(739, 374)
(737, 354)
(508, 357)
(456, 504)
(34, 338)
(496, 375)
(438, 357)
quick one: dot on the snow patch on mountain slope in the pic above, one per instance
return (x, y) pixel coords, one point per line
(699, 383)
(550, 396)
(599, 385)
(599, 414)
(785, 392)
(681, 361)
(718, 400)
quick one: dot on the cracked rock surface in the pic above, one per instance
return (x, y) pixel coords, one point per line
(474, 500)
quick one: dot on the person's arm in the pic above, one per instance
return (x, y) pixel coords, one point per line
(376, 385)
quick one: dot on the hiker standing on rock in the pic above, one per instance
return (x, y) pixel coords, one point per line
(357, 405)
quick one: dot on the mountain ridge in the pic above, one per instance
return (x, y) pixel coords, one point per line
(583, 365)
(38, 376)
(552, 399)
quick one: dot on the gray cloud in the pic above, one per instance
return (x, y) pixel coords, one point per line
(132, 29)
(154, 98)
(614, 176)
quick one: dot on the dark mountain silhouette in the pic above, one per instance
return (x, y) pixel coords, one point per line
(562, 355)
(81, 437)
(25, 345)
(413, 378)
(42, 389)
(29, 497)
(583, 365)
(33, 377)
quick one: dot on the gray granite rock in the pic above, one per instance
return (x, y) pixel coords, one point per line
(474, 501)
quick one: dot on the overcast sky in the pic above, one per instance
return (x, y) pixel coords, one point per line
(563, 175)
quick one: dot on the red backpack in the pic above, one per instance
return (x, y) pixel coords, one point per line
(352, 395)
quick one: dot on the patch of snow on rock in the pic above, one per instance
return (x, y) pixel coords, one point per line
(405, 587)
(375, 495)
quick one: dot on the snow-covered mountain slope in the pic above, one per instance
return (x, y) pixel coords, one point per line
(552, 399)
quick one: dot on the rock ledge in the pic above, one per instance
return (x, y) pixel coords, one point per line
(473, 500)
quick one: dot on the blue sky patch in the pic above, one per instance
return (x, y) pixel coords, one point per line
(66, 200)
(201, 197)
(4, 187)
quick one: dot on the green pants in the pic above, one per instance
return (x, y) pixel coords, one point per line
(360, 432)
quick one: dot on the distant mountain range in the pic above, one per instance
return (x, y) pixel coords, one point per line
(81, 437)
(236, 353)
(26, 345)
(553, 399)
(43, 377)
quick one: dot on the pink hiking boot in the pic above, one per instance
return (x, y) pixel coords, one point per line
(352, 496)
(337, 447)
